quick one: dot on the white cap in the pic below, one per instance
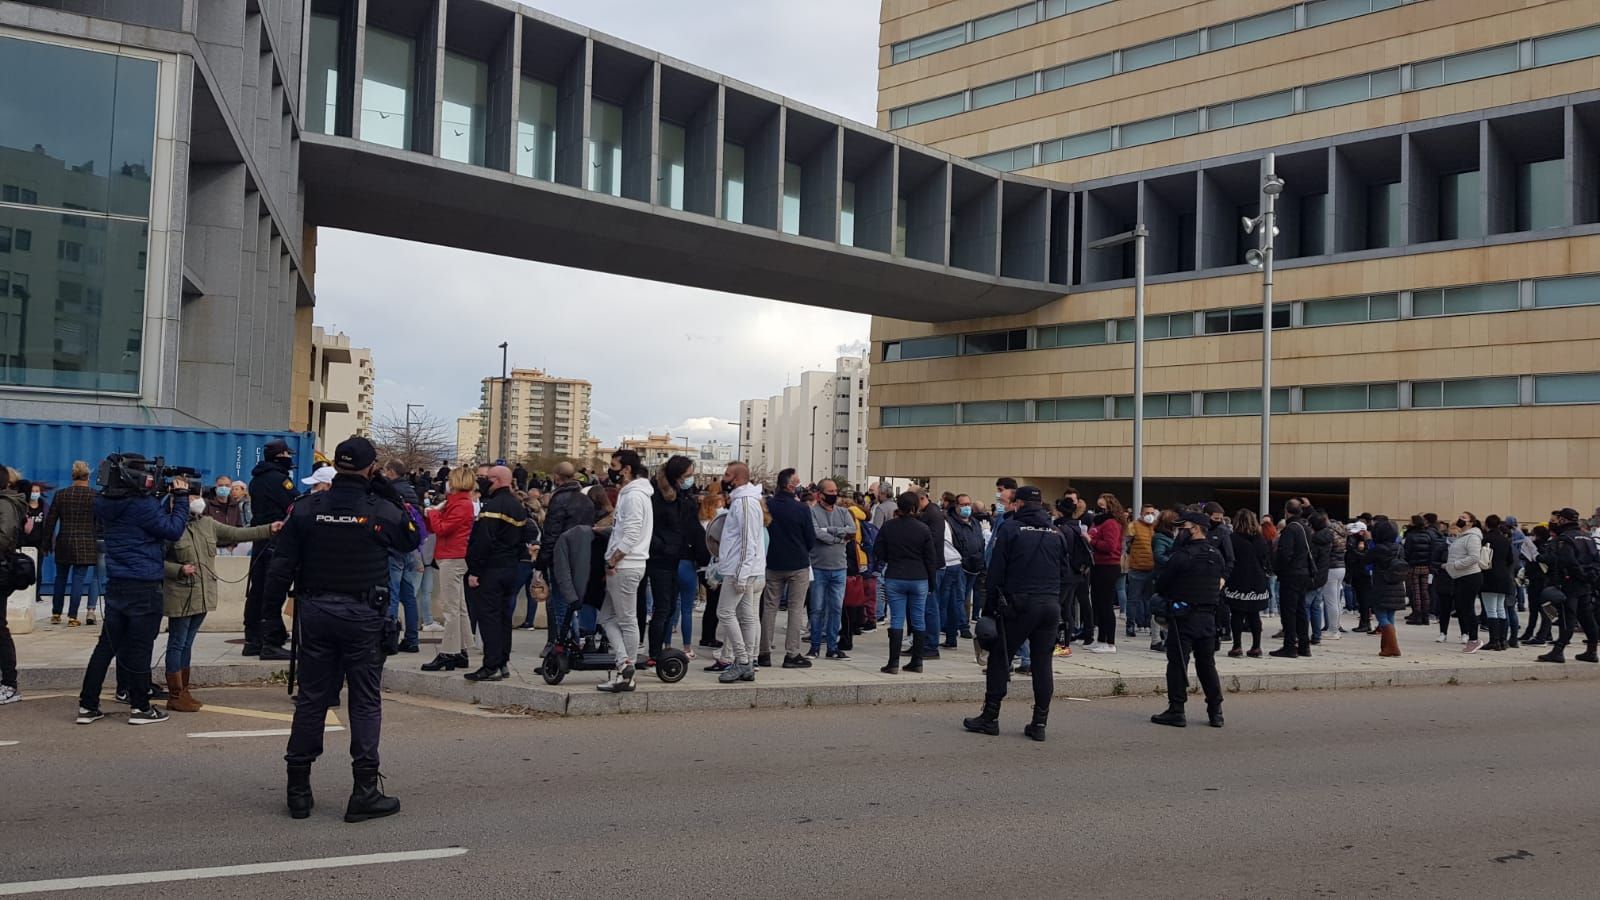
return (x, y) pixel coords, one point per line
(323, 475)
(1358, 527)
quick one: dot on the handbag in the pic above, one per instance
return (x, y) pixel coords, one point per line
(1485, 557)
(539, 589)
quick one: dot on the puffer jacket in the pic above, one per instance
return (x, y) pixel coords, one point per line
(13, 513)
(1389, 569)
(192, 595)
(1462, 559)
(1497, 578)
(1141, 549)
(136, 530)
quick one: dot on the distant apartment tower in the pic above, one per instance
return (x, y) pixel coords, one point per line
(340, 399)
(817, 427)
(534, 413)
(656, 449)
(469, 438)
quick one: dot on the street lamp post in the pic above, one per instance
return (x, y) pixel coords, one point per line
(1137, 237)
(504, 387)
(1266, 227)
(811, 455)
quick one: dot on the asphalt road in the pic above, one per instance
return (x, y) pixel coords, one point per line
(1437, 792)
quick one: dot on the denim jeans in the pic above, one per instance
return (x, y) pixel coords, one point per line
(1494, 605)
(883, 597)
(1137, 609)
(954, 587)
(688, 590)
(83, 581)
(906, 596)
(403, 589)
(181, 632)
(825, 604)
(1272, 595)
(525, 587)
(1385, 616)
(133, 618)
(430, 580)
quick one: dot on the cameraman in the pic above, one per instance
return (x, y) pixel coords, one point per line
(1190, 584)
(136, 526)
(334, 548)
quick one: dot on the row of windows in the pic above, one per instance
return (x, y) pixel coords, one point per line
(1301, 15)
(1528, 54)
(1128, 59)
(1544, 293)
(1461, 393)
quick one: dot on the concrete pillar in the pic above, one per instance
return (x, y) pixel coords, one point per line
(702, 178)
(428, 104)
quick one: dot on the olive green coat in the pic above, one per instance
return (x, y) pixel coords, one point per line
(192, 595)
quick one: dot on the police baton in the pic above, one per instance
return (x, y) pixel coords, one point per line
(294, 644)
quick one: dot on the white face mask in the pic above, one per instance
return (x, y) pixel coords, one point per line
(1149, 518)
(197, 506)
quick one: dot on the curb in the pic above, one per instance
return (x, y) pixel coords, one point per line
(653, 697)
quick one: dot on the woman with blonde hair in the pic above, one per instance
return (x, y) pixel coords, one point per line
(451, 523)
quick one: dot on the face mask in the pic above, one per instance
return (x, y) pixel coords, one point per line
(727, 487)
(197, 506)
(1149, 518)
(830, 499)
(614, 476)
(1460, 523)
(686, 484)
(997, 496)
(34, 495)
(224, 491)
(966, 512)
(485, 486)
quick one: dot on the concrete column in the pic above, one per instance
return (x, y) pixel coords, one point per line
(1499, 182)
(505, 84)
(1420, 210)
(1583, 171)
(572, 119)
(702, 179)
(1347, 203)
(1061, 235)
(428, 103)
(875, 203)
(820, 188)
(640, 123)
(763, 173)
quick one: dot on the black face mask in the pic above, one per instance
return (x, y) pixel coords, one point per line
(727, 487)
(830, 499)
(485, 486)
(614, 476)
(1461, 523)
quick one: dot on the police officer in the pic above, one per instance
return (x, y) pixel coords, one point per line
(493, 550)
(272, 490)
(1027, 566)
(334, 548)
(1570, 557)
(1191, 583)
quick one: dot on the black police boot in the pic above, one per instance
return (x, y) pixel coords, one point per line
(275, 652)
(1173, 716)
(1588, 655)
(1555, 655)
(986, 722)
(367, 800)
(300, 800)
(1035, 729)
(893, 668)
(916, 654)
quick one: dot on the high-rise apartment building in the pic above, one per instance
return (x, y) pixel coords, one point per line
(817, 427)
(533, 413)
(341, 389)
(1437, 261)
(469, 438)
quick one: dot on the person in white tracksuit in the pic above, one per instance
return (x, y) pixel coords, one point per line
(626, 553)
(742, 563)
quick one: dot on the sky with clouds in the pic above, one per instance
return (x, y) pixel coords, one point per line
(659, 356)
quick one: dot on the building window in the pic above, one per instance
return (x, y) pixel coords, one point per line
(1466, 66)
(994, 412)
(732, 182)
(908, 416)
(1242, 403)
(1070, 409)
(1321, 12)
(387, 89)
(1373, 308)
(1253, 29)
(1158, 328)
(995, 342)
(1560, 48)
(536, 130)
(1352, 90)
(1158, 406)
(1350, 397)
(928, 110)
(1002, 92)
(1458, 301)
(1566, 388)
(1580, 291)
(605, 148)
(1458, 206)
(1078, 145)
(1244, 318)
(915, 48)
(1079, 335)
(1091, 69)
(1541, 189)
(1163, 51)
(322, 74)
(922, 348)
(1465, 393)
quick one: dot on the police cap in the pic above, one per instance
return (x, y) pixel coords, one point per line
(354, 454)
(1029, 494)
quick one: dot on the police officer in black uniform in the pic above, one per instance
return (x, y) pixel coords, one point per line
(272, 490)
(1566, 556)
(494, 548)
(1028, 564)
(1191, 584)
(334, 549)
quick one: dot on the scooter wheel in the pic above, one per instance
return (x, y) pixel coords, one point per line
(671, 666)
(554, 668)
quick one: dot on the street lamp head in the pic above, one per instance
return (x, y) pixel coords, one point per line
(1272, 185)
(1249, 224)
(1255, 258)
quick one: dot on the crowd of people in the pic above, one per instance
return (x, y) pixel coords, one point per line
(628, 557)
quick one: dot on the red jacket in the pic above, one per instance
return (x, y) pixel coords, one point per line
(452, 523)
(1105, 540)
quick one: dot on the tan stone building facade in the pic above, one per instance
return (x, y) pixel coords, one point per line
(1437, 318)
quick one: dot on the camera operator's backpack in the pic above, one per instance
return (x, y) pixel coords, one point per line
(18, 572)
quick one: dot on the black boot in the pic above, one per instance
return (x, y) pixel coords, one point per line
(1555, 655)
(986, 722)
(252, 642)
(1588, 655)
(1364, 626)
(1214, 717)
(367, 800)
(893, 668)
(444, 662)
(1035, 729)
(1173, 716)
(275, 652)
(916, 654)
(300, 799)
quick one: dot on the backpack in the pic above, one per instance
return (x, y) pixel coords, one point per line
(869, 534)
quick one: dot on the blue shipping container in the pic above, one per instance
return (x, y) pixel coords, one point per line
(44, 451)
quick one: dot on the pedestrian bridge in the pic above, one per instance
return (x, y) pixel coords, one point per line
(515, 133)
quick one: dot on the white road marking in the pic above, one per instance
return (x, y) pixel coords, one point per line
(265, 732)
(9, 743)
(292, 865)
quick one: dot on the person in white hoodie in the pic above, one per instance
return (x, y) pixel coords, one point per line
(742, 563)
(1466, 577)
(626, 553)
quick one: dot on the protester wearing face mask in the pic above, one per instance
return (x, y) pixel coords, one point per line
(38, 510)
(1141, 569)
(677, 548)
(223, 506)
(189, 590)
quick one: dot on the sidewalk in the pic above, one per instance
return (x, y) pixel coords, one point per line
(53, 658)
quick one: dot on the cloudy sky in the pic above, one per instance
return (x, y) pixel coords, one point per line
(434, 316)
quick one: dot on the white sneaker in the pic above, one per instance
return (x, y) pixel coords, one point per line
(1103, 648)
(9, 694)
(1442, 638)
(87, 716)
(150, 716)
(433, 627)
(1331, 635)
(1463, 639)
